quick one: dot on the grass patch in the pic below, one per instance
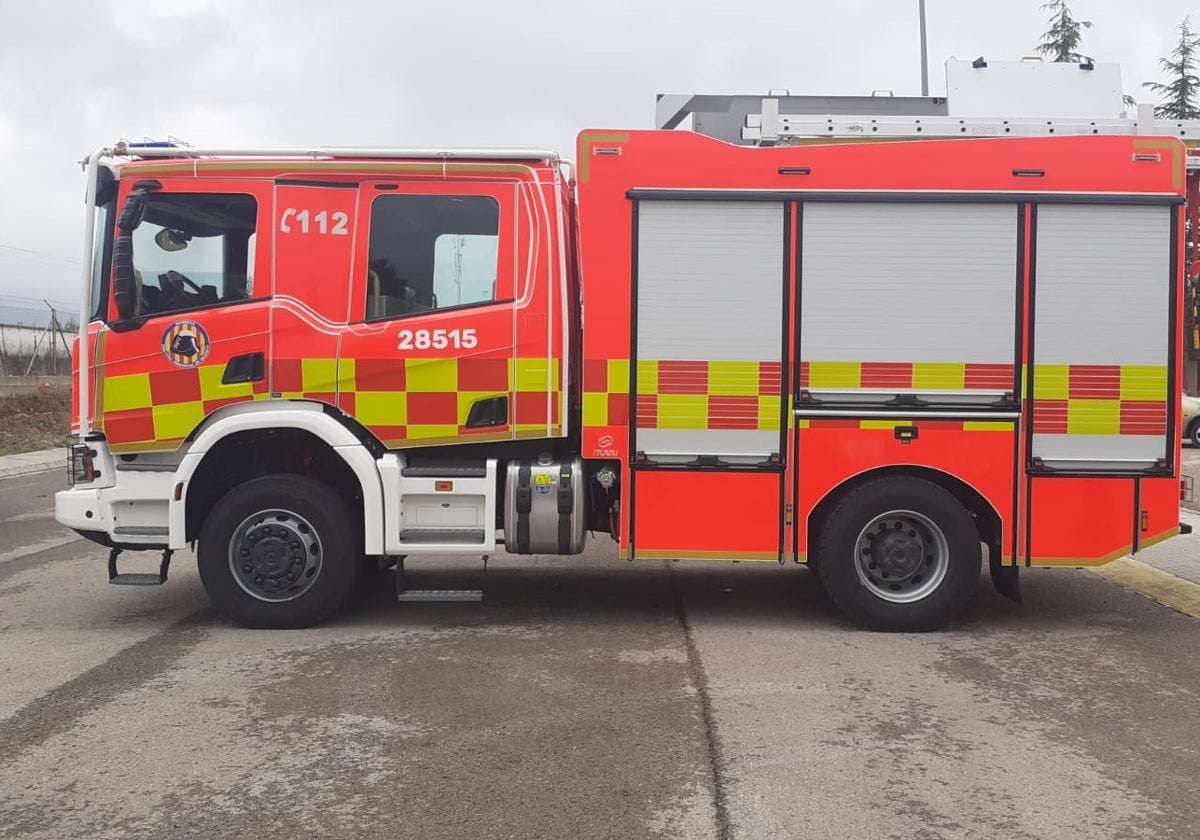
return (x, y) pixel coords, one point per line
(40, 419)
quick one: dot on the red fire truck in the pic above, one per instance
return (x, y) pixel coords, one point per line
(878, 360)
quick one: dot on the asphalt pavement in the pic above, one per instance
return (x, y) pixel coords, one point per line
(585, 697)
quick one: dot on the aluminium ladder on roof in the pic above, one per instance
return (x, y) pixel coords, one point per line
(849, 118)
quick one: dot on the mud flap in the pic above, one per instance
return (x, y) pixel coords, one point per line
(1006, 579)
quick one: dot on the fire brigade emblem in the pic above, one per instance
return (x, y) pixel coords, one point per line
(185, 344)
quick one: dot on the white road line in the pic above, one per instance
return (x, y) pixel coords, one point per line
(52, 542)
(33, 514)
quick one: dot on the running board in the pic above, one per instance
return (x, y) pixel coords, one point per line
(403, 593)
(440, 595)
(473, 537)
(138, 578)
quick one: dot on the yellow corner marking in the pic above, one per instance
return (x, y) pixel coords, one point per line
(1166, 588)
(1176, 148)
(659, 554)
(1082, 561)
(586, 139)
(1157, 538)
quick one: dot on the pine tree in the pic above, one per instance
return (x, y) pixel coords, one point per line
(1179, 95)
(1062, 39)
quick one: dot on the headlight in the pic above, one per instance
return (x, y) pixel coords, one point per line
(81, 466)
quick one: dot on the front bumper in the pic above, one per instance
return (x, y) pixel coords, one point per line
(112, 504)
(80, 510)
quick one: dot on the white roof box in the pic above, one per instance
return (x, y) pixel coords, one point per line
(1034, 88)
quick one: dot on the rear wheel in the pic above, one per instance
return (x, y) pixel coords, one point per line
(279, 551)
(1193, 433)
(900, 554)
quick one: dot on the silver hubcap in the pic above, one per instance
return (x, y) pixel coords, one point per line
(901, 556)
(275, 555)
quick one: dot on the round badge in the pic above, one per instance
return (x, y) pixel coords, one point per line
(185, 344)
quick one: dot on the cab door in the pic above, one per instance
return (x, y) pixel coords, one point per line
(429, 354)
(197, 336)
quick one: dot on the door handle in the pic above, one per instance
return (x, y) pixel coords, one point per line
(248, 367)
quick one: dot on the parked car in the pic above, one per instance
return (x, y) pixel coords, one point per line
(1191, 419)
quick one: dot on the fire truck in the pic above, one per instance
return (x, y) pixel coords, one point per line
(823, 343)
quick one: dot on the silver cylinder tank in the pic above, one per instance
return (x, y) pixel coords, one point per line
(545, 509)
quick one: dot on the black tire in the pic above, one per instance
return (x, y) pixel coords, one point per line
(299, 553)
(885, 579)
(1193, 433)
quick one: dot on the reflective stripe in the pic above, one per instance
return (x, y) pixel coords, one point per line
(906, 376)
(1100, 400)
(401, 401)
(685, 394)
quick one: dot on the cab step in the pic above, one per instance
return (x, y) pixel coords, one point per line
(440, 595)
(445, 505)
(138, 578)
(403, 593)
(439, 536)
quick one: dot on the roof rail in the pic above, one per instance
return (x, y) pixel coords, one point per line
(169, 149)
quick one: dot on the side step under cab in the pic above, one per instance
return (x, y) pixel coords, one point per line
(138, 578)
(403, 593)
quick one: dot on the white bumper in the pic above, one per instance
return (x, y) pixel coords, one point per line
(125, 505)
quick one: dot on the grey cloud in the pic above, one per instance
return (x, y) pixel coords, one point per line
(76, 75)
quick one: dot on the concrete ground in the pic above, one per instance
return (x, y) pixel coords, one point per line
(585, 698)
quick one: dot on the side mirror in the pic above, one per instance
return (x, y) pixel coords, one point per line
(124, 285)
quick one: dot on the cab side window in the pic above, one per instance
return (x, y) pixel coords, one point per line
(431, 252)
(193, 250)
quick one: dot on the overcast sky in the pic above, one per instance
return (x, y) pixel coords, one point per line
(76, 75)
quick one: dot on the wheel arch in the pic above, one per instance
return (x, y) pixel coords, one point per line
(987, 519)
(234, 444)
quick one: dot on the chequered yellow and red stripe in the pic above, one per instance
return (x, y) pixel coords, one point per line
(427, 400)
(402, 401)
(933, 376)
(684, 394)
(890, 424)
(158, 410)
(1100, 399)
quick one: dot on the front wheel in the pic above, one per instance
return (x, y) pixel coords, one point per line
(1193, 433)
(900, 554)
(278, 552)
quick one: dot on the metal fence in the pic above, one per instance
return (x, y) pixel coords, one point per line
(35, 351)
